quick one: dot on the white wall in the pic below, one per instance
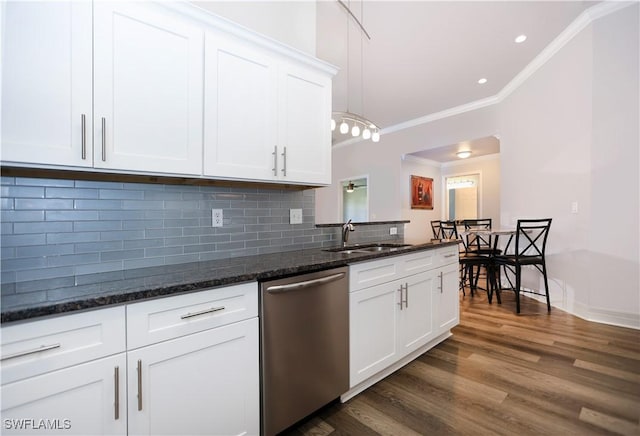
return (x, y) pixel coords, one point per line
(568, 134)
(290, 22)
(383, 160)
(420, 225)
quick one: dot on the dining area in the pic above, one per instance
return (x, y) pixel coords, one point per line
(495, 259)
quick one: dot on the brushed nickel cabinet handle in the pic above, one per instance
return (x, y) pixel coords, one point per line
(40, 349)
(275, 160)
(104, 139)
(441, 281)
(449, 255)
(284, 162)
(139, 384)
(406, 295)
(83, 119)
(202, 312)
(116, 379)
(401, 299)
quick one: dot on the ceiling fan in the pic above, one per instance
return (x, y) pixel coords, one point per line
(350, 187)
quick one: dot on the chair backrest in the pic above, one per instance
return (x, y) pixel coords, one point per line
(474, 240)
(448, 230)
(531, 237)
(435, 227)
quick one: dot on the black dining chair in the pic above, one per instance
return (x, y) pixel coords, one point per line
(530, 243)
(468, 260)
(435, 228)
(477, 242)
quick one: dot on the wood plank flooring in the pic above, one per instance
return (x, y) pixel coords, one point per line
(503, 374)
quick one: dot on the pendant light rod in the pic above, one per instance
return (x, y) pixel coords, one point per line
(355, 18)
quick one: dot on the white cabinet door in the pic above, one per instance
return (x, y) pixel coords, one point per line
(373, 330)
(205, 383)
(416, 324)
(46, 83)
(240, 129)
(79, 400)
(304, 137)
(148, 89)
(446, 300)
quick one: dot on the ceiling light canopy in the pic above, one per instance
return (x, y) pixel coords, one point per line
(520, 38)
(463, 154)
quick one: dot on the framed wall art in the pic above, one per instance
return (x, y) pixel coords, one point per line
(421, 192)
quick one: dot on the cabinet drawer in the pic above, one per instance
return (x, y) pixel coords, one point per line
(154, 321)
(42, 346)
(363, 275)
(419, 262)
(447, 255)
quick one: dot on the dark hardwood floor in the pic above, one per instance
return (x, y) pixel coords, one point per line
(503, 374)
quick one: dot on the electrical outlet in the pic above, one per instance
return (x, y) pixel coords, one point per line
(216, 217)
(574, 207)
(393, 230)
(295, 216)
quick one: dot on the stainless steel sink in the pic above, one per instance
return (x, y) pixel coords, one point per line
(368, 248)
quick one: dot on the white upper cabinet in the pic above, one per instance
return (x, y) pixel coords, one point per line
(133, 87)
(266, 118)
(304, 125)
(240, 132)
(46, 83)
(148, 94)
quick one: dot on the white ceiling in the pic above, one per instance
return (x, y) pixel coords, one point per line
(427, 56)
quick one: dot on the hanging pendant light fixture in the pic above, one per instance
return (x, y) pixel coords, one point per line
(360, 126)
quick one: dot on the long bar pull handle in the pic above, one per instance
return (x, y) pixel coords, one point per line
(104, 139)
(116, 380)
(441, 281)
(275, 160)
(40, 349)
(450, 255)
(202, 312)
(406, 295)
(284, 162)
(401, 298)
(305, 284)
(83, 123)
(139, 384)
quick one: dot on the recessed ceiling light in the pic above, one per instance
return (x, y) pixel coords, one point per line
(463, 154)
(482, 81)
(521, 38)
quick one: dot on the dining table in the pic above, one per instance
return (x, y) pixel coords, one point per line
(493, 236)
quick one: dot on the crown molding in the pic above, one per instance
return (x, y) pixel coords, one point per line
(587, 17)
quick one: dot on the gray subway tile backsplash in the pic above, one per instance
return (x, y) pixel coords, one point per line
(54, 229)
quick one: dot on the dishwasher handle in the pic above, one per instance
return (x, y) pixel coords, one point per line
(305, 284)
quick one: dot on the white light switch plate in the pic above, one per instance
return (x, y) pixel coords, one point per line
(295, 216)
(393, 230)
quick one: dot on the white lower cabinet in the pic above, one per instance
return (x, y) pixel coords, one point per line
(399, 306)
(389, 321)
(206, 383)
(85, 399)
(446, 299)
(190, 367)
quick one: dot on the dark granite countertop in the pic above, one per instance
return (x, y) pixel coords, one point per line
(118, 287)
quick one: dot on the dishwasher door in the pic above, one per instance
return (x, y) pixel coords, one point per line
(304, 345)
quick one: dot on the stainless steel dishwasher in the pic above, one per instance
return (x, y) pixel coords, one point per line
(304, 336)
